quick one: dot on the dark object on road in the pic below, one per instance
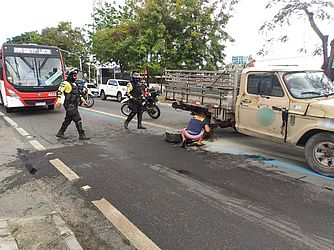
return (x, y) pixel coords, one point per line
(173, 136)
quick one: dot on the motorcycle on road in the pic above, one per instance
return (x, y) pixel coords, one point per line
(150, 99)
(87, 95)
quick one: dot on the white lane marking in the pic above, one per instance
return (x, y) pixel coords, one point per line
(7, 241)
(65, 170)
(138, 239)
(122, 117)
(64, 230)
(37, 145)
(10, 121)
(2, 114)
(22, 131)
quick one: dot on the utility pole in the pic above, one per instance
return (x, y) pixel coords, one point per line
(71, 53)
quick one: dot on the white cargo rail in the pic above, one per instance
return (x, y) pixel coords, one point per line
(204, 88)
(215, 91)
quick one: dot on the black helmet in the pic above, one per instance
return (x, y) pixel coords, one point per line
(70, 73)
(135, 76)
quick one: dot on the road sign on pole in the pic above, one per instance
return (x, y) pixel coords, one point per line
(239, 60)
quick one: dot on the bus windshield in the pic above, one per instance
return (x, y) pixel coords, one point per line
(25, 71)
(303, 85)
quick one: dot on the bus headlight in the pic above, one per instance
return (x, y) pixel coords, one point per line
(12, 94)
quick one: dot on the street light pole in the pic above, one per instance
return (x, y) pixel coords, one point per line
(71, 53)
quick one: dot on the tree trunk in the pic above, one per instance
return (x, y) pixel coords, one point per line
(324, 39)
(329, 71)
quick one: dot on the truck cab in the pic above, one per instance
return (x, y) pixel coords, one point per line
(290, 106)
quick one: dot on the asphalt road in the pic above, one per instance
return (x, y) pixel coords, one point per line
(186, 199)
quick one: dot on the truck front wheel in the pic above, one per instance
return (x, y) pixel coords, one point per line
(319, 153)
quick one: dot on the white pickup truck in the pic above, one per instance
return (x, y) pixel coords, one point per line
(284, 105)
(113, 88)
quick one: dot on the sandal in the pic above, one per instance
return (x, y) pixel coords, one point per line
(183, 144)
(199, 144)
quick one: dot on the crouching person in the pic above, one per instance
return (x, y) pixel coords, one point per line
(197, 127)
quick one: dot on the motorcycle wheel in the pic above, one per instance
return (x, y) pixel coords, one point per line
(125, 109)
(90, 101)
(153, 111)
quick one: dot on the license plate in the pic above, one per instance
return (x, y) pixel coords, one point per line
(40, 103)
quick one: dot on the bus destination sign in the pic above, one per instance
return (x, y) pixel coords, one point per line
(38, 51)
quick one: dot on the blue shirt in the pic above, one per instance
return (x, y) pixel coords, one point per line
(196, 124)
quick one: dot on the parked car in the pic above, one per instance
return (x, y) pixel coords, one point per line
(113, 88)
(93, 89)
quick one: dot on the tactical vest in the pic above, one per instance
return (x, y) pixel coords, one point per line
(73, 96)
(137, 90)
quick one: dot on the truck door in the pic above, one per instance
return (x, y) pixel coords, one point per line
(111, 87)
(261, 107)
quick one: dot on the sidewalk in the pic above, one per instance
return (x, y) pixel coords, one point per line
(33, 211)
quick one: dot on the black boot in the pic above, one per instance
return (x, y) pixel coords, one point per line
(62, 130)
(127, 121)
(126, 124)
(61, 135)
(140, 126)
(82, 135)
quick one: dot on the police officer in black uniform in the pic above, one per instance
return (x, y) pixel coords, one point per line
(72, 99)
(135, 93)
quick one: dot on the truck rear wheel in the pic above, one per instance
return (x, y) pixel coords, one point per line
(319, 153)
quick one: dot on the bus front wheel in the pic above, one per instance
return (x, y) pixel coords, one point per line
(1, 99)
(9, 110)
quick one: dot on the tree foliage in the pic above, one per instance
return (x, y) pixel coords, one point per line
(314, 10)
(64, 36)
(154, 34)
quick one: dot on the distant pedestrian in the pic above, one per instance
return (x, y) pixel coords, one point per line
(72, 99)
(135, 93)
(197, 127)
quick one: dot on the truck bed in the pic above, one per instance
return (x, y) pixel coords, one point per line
(216, 91)
(209, 89)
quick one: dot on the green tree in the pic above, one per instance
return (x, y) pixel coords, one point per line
(290, 11)
(67, 38)
(64, 36)
(24, 38)
(154, 34)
